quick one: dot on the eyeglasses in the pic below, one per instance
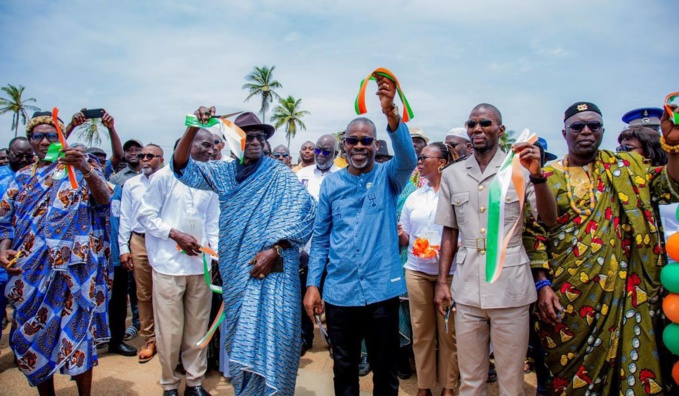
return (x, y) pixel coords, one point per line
(423, 158)
(366, 141)
(578, 126)
(326, 153)
(261, 137)
(27, 156)
(471, 124)
(217, 141)
(278, 155)
(625, 148)
(147, 156)
(38, 136)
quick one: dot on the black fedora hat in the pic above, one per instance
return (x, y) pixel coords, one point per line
(249, 121)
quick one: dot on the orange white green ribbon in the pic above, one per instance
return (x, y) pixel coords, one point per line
(235, 137)
(669, 99)
(510, 173)
(359, 103)
(215, 289)
(64, 146)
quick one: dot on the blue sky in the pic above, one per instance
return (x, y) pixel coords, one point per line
(150, 63)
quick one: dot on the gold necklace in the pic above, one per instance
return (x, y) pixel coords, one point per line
(592, 201)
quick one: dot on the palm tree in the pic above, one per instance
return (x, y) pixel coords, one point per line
(288, 113)
(262, 83)
(507, 140)
(17, 105)
(89, 132)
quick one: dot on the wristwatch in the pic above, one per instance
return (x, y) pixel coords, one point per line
(279, 250)
(392, 112)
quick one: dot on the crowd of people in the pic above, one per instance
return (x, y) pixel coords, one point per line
(387, 251)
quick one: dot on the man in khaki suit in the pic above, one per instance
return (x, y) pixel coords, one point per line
(485, 311)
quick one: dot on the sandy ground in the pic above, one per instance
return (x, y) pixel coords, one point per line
(119, 375)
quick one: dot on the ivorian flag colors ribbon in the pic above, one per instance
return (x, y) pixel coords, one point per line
(215, 289)
(64, 145)
(669, 99)
(510, 173)
(359, 103)
(235, 137)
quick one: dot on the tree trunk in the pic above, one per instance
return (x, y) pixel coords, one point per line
(15, 120)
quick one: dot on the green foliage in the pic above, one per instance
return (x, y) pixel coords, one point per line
(90, 132)
(507, 140)
(288, 113)
(16, 104)
(261, 83)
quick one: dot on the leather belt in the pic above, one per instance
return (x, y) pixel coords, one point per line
(141, 234)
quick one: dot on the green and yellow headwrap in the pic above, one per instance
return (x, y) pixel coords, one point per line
(40, 120)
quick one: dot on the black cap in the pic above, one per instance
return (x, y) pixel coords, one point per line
(132, 142)
(580, 107)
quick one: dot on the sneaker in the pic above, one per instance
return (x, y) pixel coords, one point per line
(130, 333)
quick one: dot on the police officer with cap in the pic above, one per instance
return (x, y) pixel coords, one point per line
(646, 116)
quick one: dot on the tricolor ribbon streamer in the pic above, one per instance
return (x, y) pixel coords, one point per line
(215, 289)
(669, 99)
(510, 172)
(64, 145)
(359, 103)
(235, 137)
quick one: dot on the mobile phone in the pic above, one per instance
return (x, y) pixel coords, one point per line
(93, 113)
(277, 265)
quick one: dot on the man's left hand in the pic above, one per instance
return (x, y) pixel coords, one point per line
(386, 91)
(669, 130)
(262, 263)
(76, 158)
(529, 156)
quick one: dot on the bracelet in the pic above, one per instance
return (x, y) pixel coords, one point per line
(88, 174)
(542, 283)
(670, 149)
(538, 180)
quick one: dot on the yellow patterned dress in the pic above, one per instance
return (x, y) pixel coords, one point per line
(604, 258)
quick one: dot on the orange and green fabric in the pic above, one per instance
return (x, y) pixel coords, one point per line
(605, 270)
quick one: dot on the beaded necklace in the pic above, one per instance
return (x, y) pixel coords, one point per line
(592, 201)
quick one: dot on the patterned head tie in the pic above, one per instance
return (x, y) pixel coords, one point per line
(41, 120)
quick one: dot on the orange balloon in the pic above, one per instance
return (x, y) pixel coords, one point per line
(672, 246)
(675, 372)
(670, 306)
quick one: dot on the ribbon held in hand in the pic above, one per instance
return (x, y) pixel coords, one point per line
(235, 137)
(669, 99)
(64, 145)
(359, 103)
(510, 173)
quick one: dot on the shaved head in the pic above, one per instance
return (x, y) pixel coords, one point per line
(490, 108)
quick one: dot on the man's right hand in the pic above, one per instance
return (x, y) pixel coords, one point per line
(107, 120)
(443, 299)
(205, 113)
(550, 309)
(186, 242)
(312, 302)
(126, 261)
(78, 119)
(5, 257)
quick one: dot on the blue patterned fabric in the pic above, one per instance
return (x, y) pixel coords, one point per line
(262, 316)
(6, 178)
(62, 294)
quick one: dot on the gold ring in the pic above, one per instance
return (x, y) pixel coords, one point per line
(261, 276)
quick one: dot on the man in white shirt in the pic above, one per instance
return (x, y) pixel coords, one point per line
(312, 177)
(179, 217)
(131, 239)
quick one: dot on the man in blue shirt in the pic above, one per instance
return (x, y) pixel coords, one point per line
(355, 240)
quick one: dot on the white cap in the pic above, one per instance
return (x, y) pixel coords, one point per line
(459, 132)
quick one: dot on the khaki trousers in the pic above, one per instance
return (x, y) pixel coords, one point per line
(428, 325)
(508, 329)
(181, 306)
(143, 279)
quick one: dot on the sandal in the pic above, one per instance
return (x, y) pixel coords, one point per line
(131, 333)
(528, 366)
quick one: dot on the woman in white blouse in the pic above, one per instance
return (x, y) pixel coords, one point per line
(418, 231)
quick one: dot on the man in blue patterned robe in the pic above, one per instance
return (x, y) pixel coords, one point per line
(266, 215)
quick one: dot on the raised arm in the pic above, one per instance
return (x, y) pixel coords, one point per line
(182, 153)
(529, 156)
(670, 138)
(116, 145)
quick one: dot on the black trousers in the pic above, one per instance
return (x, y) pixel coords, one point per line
(307, 324)
(117, 305)
(378, 324)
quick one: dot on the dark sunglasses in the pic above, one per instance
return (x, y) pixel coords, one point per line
(278, 155)
(27, 156)
(578, 126)
(366, 141)
(471, 124)
(624, 148)
(147, 156)
(423, 158)
(51, 136)
(261, 137)
(326, 153)
(217, 141)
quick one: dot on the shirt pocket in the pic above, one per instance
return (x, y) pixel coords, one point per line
(512, 207)
(460, 202)
(341, 211)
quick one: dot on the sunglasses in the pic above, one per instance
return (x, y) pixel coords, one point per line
(624, 148)
(279, 155)
(423, 158)
(147, 156)
(261, 137)
(578, 126)
(38, 136)
(27, 156)
(366, 141)
(326, 153)
(471, 124)
(217, 141)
